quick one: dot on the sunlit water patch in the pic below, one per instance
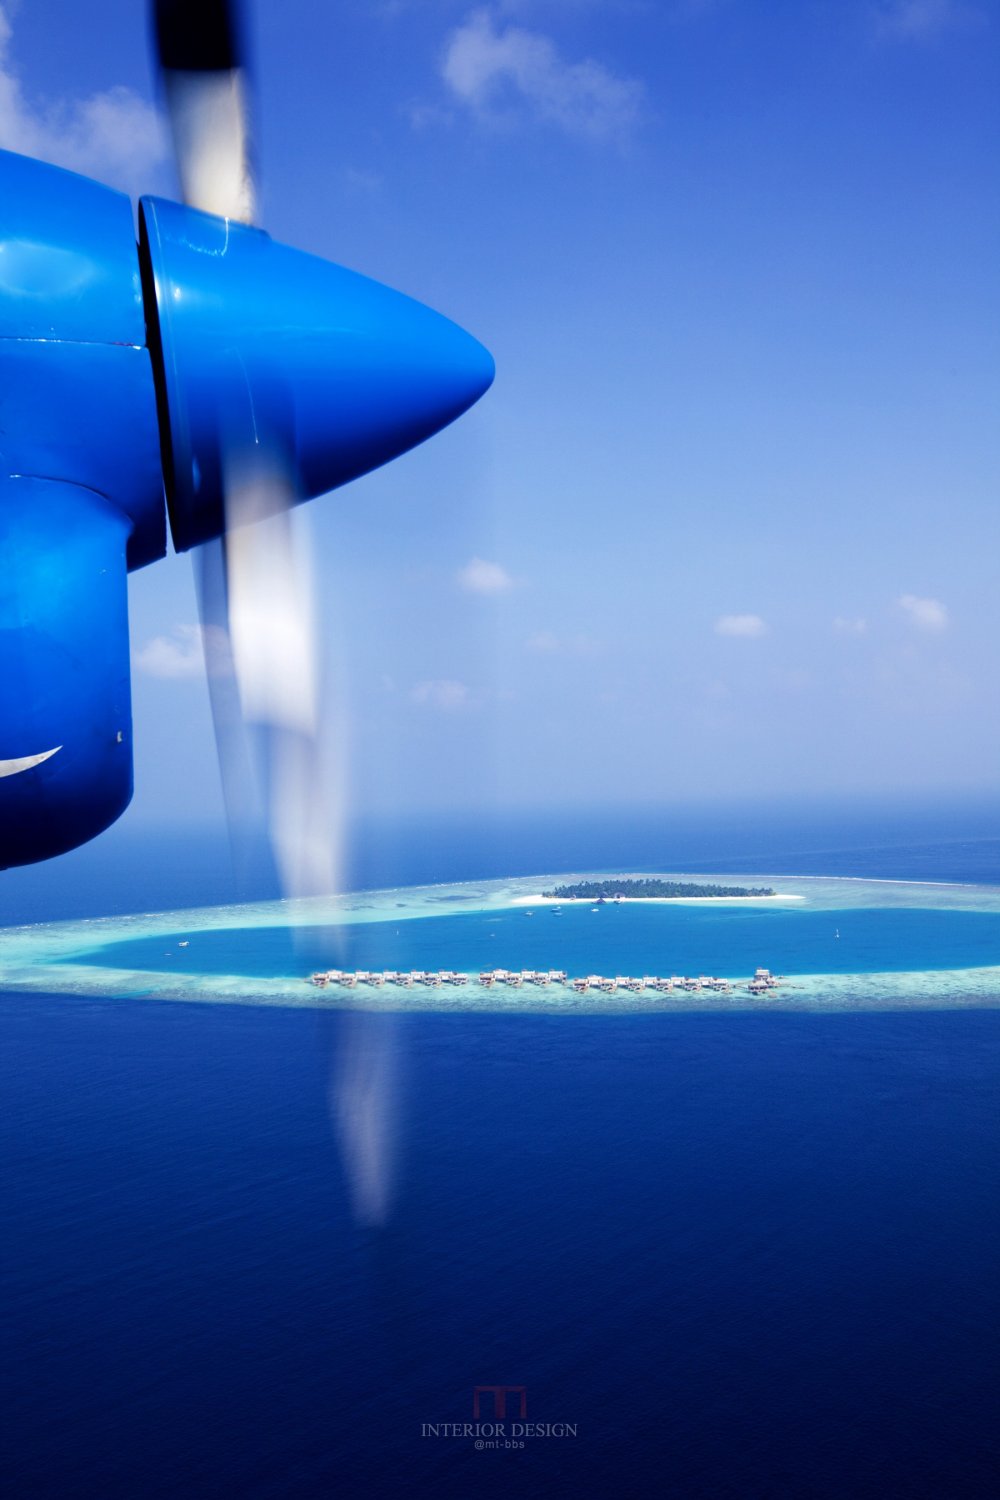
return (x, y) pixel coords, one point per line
(614, 940)
(841, 943)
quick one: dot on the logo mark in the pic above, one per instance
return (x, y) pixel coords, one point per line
(500, 1394)
(25, 762)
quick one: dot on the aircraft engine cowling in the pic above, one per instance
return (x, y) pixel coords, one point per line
(81, 502)
(208, 366)
(66, 726)
(266, 357)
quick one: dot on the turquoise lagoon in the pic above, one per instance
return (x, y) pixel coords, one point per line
(842, 943)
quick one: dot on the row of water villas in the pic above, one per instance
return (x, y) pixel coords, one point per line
(349, 980)
(762, 981)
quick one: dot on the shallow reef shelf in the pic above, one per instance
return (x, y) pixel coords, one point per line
(65, 957)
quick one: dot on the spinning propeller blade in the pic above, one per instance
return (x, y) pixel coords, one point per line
(280, 377)
(200, 55)
(254, 585)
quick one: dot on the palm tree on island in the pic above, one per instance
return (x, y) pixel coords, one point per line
(624, 890)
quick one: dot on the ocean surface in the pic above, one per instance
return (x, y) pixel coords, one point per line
(747, 1255)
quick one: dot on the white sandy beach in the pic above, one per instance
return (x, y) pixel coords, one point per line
(539, 900)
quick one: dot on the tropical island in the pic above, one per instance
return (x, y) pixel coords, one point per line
(648, 890)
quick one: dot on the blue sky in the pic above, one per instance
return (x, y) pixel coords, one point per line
(727, 523)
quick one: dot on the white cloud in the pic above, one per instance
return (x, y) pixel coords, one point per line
(547, 643)
(441, 692)
(925, 614)
(496, 72)
(544, 642)
(114, 135)
(917, 20)
(481, 577)
(180, 655)
(740, 625)
(850, 625)
(368, 184)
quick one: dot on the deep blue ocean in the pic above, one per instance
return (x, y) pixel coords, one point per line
(738, 1255)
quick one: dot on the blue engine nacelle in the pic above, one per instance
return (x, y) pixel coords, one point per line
(128, 369)
(81, 500)
(66, 726)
